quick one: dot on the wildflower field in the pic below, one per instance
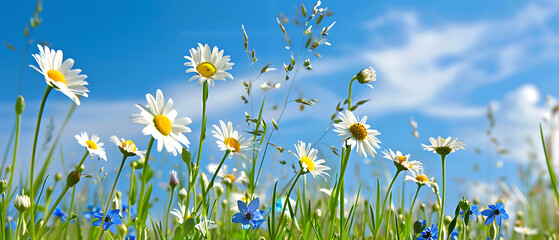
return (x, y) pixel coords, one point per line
(251, 174)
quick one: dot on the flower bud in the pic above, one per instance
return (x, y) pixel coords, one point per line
(366, 75)
(182, 194)
(492, 231)
(122, 230)
(519, 214)
(447, 219)
(3, 186)
(116, 204)
(218, 188)
(22, 203)
(418, 226)
(318, 213)
(49, 191)
(422, 206)
(20, 105)
(436, 207)
(140, 163)
(173, 180)
(203, 180)
(464, 205)
(73, 178)
(57, 176)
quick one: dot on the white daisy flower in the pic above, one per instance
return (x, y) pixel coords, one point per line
(366, 76)
(93, 146)
(421, 179)
(227, 177)
(229, 139)
(180, 213)
(357, 133)
(526, 230)
(60, 75)
(127, 147)
(402, 162)
(307, 160)
(209, 64)
(205, 224)
(443, 146)
(162, 123)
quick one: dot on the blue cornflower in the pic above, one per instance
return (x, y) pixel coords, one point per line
(429, 233)
(92, 211)
(249, 215)
(473, 212)
(59, 213)
(112, 219)
(495, 212)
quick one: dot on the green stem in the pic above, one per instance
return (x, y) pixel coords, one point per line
(384, 203)
(341, 188)
(112, 191)
(349, 93)
(145, 167)
(289, 193)
(19, 221)
(65, 226)
(211, 184)
(168, 210)
(441, 211)
(33, 152)
(202, 134)
(550, 168)
(12, 168)
(53, 207)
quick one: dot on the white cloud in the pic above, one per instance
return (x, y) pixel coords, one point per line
(517, 116)
(437, 65)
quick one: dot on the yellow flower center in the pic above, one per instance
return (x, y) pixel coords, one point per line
(401, 159)
(233, 143)
(229, 178)
(308, 162)
(56, 76)
(206, 69)
(162, 124)
(422, 178)
(129, 143)
(91, 144)
(358, 131)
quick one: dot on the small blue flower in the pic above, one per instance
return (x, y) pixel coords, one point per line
(279, 205)
(495, 212)
(92, 211)
(249, 215)
(429, 233)
(454, 235)
(59, 213)
(473, 212)
(112, 219)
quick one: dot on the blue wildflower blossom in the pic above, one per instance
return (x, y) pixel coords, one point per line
(495, 212)
(473, 212)
(249, 215)
(429, 233)
(92, 211)
(59, 213)
(112, 219)
(454, 235)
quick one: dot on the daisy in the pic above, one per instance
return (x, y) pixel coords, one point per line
(443, 146)
(92, 145)
(526, 230)
(127, 147)
(162, 123)
(421, 180)
(60, 75)
(229, 139)
(205, 224)
(357, 133)
(209, 64)
(228, 178)
(307, 160)
(181, 213)
(402, 162)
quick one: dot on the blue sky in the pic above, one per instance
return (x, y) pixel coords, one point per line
(441, 63)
